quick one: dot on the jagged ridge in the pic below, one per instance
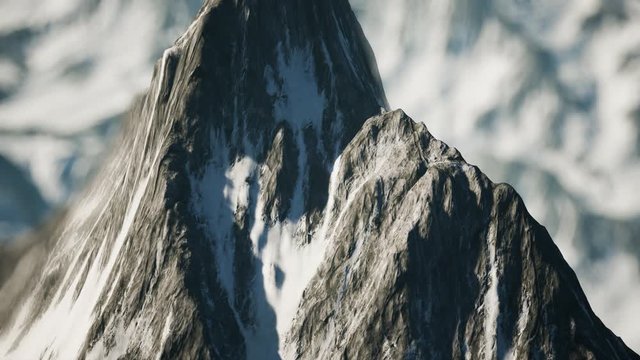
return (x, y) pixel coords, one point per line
(224, 198)
(156, 257)
(430, 259)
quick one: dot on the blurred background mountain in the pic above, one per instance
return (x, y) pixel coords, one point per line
(542, 94)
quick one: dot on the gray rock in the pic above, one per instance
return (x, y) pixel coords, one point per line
(247, 188)
(433, 260)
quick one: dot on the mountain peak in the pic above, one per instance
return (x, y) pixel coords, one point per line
(221, 172)
(251, 210)
(430, 259)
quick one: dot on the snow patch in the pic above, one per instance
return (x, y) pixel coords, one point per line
(166, 331)
(67, 321)
(491, 301)
(300, 102)
(223, 190)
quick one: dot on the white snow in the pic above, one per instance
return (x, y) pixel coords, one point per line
(9, 73)
(121, 337)
(491, 299)
(519, 335)
(613, 286)
(276, 248)
(287, 265)
(596, 165)
(600, 172)
(166, 331)
(217, 195)
(67, 321)
(117, 45)
(45, 157)
(300, 103)
(489, 75)
(78, 66)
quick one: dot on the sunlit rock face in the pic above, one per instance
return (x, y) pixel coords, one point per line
(197, 236)
(540, 94)
(430, 259)
(262, 202)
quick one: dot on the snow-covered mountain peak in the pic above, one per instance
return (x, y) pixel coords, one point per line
(259, 205)
(211, 198)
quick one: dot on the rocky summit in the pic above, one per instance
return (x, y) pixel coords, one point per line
(262, 203)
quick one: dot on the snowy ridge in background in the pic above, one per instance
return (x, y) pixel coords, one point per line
(69, 69)
(544, 95)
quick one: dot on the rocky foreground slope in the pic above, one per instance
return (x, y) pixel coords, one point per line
(430, 259)
(250, 210)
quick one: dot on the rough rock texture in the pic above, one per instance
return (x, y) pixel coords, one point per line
(137, 268)
(224, 227)
(430, 259)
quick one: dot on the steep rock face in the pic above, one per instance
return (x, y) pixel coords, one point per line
(430, 259)
(163, 254)
(530, 91)
(221, 225)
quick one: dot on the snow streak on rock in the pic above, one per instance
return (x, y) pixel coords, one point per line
(200, 234)
(542, 95)
(430, 259)
(250, 210)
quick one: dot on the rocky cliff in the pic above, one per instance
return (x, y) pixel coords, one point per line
(250, 210)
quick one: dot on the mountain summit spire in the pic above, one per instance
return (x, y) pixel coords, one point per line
(167, 251)
(250, 210)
